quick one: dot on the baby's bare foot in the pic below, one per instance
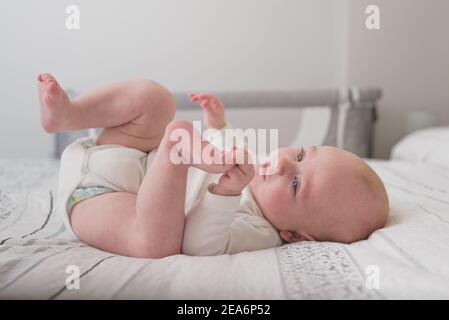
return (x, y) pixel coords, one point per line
(54, 102)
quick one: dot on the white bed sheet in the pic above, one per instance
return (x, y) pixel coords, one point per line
(407, 259)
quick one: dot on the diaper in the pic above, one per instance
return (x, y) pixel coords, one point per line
(83, 193)
(88, 169)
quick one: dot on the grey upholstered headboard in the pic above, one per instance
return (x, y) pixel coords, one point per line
(323, 117)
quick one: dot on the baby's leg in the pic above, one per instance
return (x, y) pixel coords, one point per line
(149, 224)
(134, 113)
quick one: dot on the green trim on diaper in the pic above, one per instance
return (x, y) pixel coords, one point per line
(83, 193)
(88, 144)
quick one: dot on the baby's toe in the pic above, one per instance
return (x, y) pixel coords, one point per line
(47, 77)
(52, 87)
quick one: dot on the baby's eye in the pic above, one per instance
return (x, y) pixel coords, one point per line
(300, 154)
(295, 184)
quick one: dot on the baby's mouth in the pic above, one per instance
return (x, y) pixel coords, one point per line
(265, 177)
(261, 173)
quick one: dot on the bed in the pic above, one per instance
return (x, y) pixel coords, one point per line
(408, 259)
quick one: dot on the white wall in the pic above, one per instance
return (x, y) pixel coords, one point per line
(224, 45)
(408, 57)
(185, 45)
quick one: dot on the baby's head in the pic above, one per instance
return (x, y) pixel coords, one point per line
(320, 193)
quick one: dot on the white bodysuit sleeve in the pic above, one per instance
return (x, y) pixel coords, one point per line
(215, 226)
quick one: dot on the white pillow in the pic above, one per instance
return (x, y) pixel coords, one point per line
(426, 146)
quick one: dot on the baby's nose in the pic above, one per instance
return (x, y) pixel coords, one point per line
(283, 165)
(280, 169)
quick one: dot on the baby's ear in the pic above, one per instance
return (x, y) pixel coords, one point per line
(294, 236)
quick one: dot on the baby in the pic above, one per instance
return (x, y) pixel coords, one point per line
(121, 191)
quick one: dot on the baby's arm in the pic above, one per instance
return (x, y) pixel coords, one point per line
(151, 223)
(217, 225)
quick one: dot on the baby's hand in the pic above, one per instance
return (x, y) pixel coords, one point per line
(213, 110)
(237, 178)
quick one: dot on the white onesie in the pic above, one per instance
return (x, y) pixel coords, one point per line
(214, 224)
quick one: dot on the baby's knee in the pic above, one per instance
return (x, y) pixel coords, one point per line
(178, 130)
(157, 93)
(179, 125)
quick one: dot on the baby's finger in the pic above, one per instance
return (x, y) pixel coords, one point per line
(204, 96)
(216, 161)
(226, 157)
(193, 99)
(215, 100)
(235, 173)
(192, 95)
(204, 104)
(247, 170)
(238, 177)
(214, 103)
(241, 156)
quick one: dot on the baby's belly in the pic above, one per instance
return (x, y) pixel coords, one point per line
(197, 183)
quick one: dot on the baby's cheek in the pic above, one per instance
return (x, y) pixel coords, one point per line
(275, 194)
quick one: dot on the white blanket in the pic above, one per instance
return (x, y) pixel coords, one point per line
(407, 259)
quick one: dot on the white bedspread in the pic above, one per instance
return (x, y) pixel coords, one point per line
(407, 259)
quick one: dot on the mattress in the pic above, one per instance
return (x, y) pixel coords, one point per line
(408, 259)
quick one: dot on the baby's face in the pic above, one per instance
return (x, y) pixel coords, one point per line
(320, 193)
